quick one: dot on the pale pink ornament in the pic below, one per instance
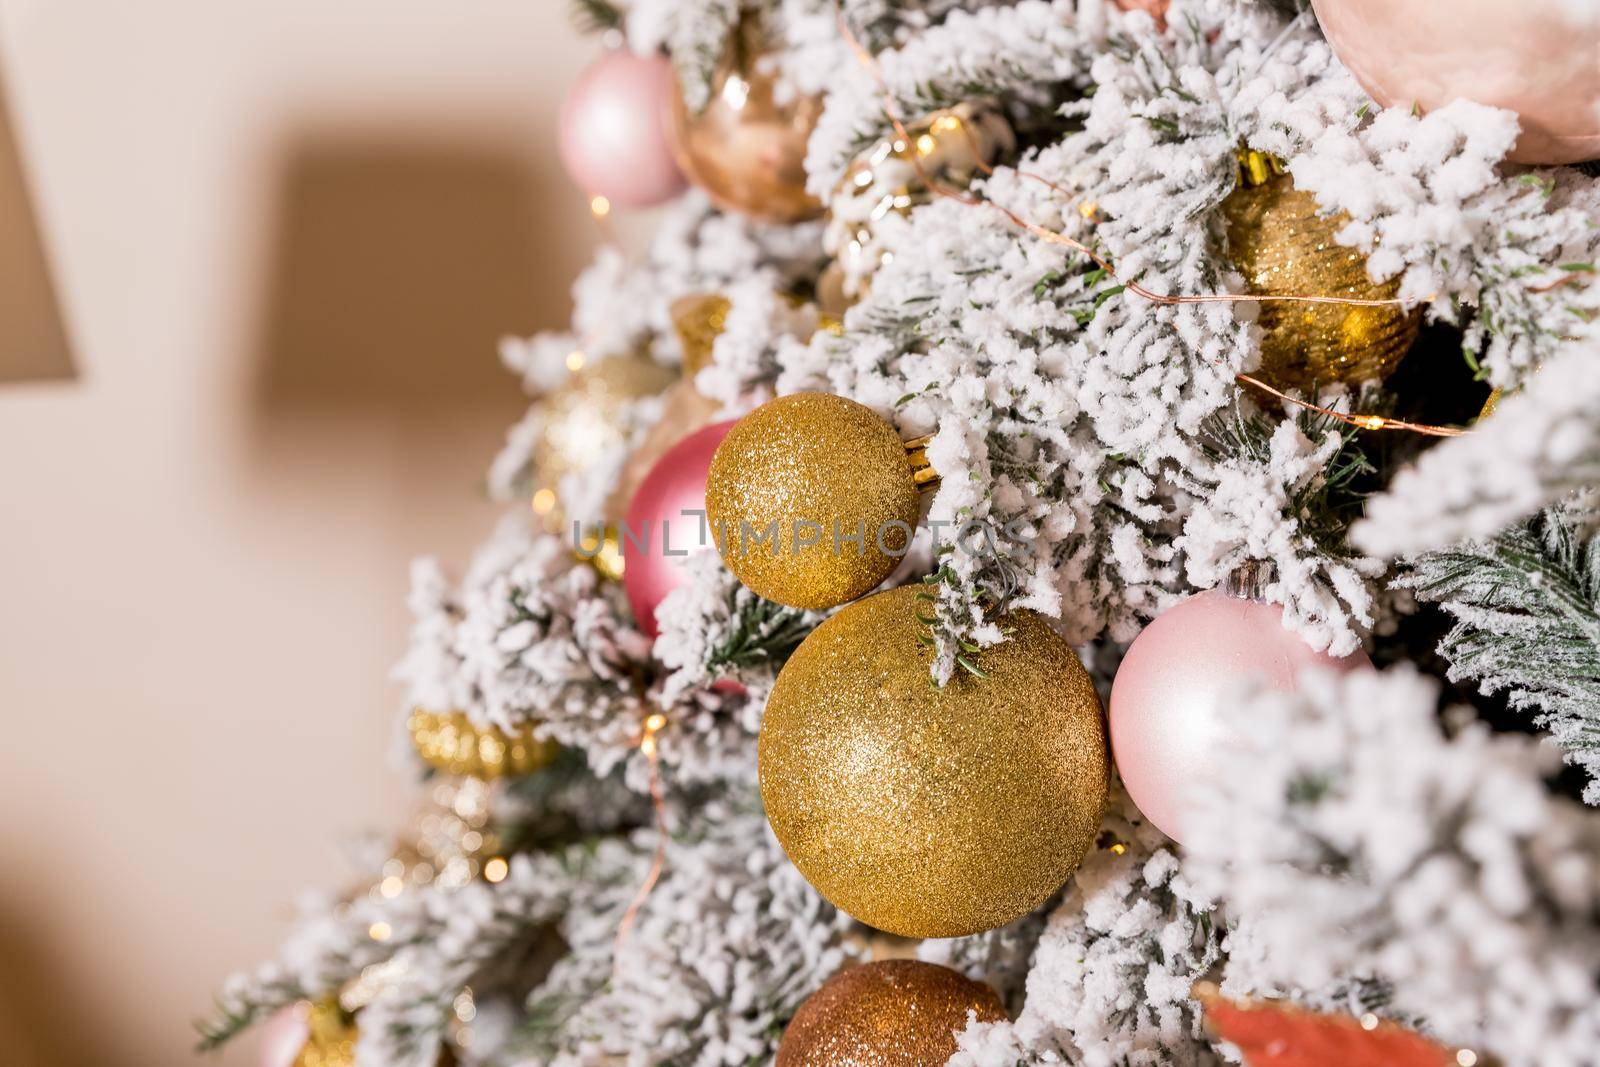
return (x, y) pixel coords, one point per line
(283, 1037)
(614, 134)
(1539, 58)
(1165, 700)
(666, 523)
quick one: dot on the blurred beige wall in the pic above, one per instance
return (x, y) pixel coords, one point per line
(287, 234)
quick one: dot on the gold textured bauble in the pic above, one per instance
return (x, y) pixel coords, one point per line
(331, 1041)
(813, 465)
(945, 150)
(747, 147)
(1282, 246)
(898, 1013)
(583, 417)
(450, 742)
(924, 811)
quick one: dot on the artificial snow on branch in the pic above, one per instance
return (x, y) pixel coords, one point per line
(1539, 445)
(1353, 840)
(1527, 610)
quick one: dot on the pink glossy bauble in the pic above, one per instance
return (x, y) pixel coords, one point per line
(283, 1036)
(666, 522)
(1539, 58)
(614, 136)
(1165, 729)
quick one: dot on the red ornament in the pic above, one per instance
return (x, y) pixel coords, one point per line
(1279, 1034)
(666, 523)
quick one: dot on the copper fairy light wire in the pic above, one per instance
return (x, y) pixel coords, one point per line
(1360, 422)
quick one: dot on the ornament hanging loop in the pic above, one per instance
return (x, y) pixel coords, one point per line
(922, 471)
(1249, 580)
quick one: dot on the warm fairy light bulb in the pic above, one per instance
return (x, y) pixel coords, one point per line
(655, 722)
(392, 886)
(600, 206)
(1369, 1021)
(544, 502)
(379, 931)
(575, 360)
(495, 870)
(1466, 1057)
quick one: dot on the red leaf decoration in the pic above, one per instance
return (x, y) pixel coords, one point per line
(1280, 1034)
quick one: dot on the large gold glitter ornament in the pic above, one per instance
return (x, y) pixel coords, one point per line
(948, 149)
(450, 742)
(747, 147)
(813, 499)
(899, 1013)
(1282, 246)
(583, 418)
(923, 811)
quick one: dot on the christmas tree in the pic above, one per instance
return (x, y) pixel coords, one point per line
(1076, 544)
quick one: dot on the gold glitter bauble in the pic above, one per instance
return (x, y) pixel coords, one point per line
(826, 469)
(583, 418)
(449, 742)
(332, 1038)
(747, 147)
(1283, 247)
(898, 1013)
(932, 812)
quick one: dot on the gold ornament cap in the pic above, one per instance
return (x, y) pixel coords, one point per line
(898, 1013)
(813, 500)
(698, 320)
(932, 812)
(451, 743)
(1283, 247)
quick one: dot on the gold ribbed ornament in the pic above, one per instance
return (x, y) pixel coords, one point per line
(899, 1013)
(451, 743)
(332, 1038)
(747, 147)
(1283, 247)
(932, 812)
(812, 465)
(583, 417)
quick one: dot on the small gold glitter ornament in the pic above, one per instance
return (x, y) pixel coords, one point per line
(450, 742)
(923, 811)
(898, 1013)
(813, 499)
(1283, 247)
(333, 1035)
(583, 418)
(949, 147)
(747, 147)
